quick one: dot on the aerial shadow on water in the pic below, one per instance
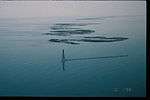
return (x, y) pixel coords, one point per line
(89, 39)
(66, 33)
(68, 29)
(70, 32)
(64, 59)
(72, 29)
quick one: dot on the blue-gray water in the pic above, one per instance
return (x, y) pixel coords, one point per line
(30, 65)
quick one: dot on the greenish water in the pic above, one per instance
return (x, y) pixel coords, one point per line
(104, 47)
(30, 65)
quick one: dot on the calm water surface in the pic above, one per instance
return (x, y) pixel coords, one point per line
(30, 65)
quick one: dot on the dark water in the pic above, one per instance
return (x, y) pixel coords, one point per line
(30, 59)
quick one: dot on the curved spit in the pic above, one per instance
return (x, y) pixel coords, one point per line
(63, 59)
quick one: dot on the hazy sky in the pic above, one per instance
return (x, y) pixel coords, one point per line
(70, 8)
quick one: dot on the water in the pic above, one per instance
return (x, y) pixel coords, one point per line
(30, 65)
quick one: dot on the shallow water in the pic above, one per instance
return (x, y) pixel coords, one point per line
(109, 60)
